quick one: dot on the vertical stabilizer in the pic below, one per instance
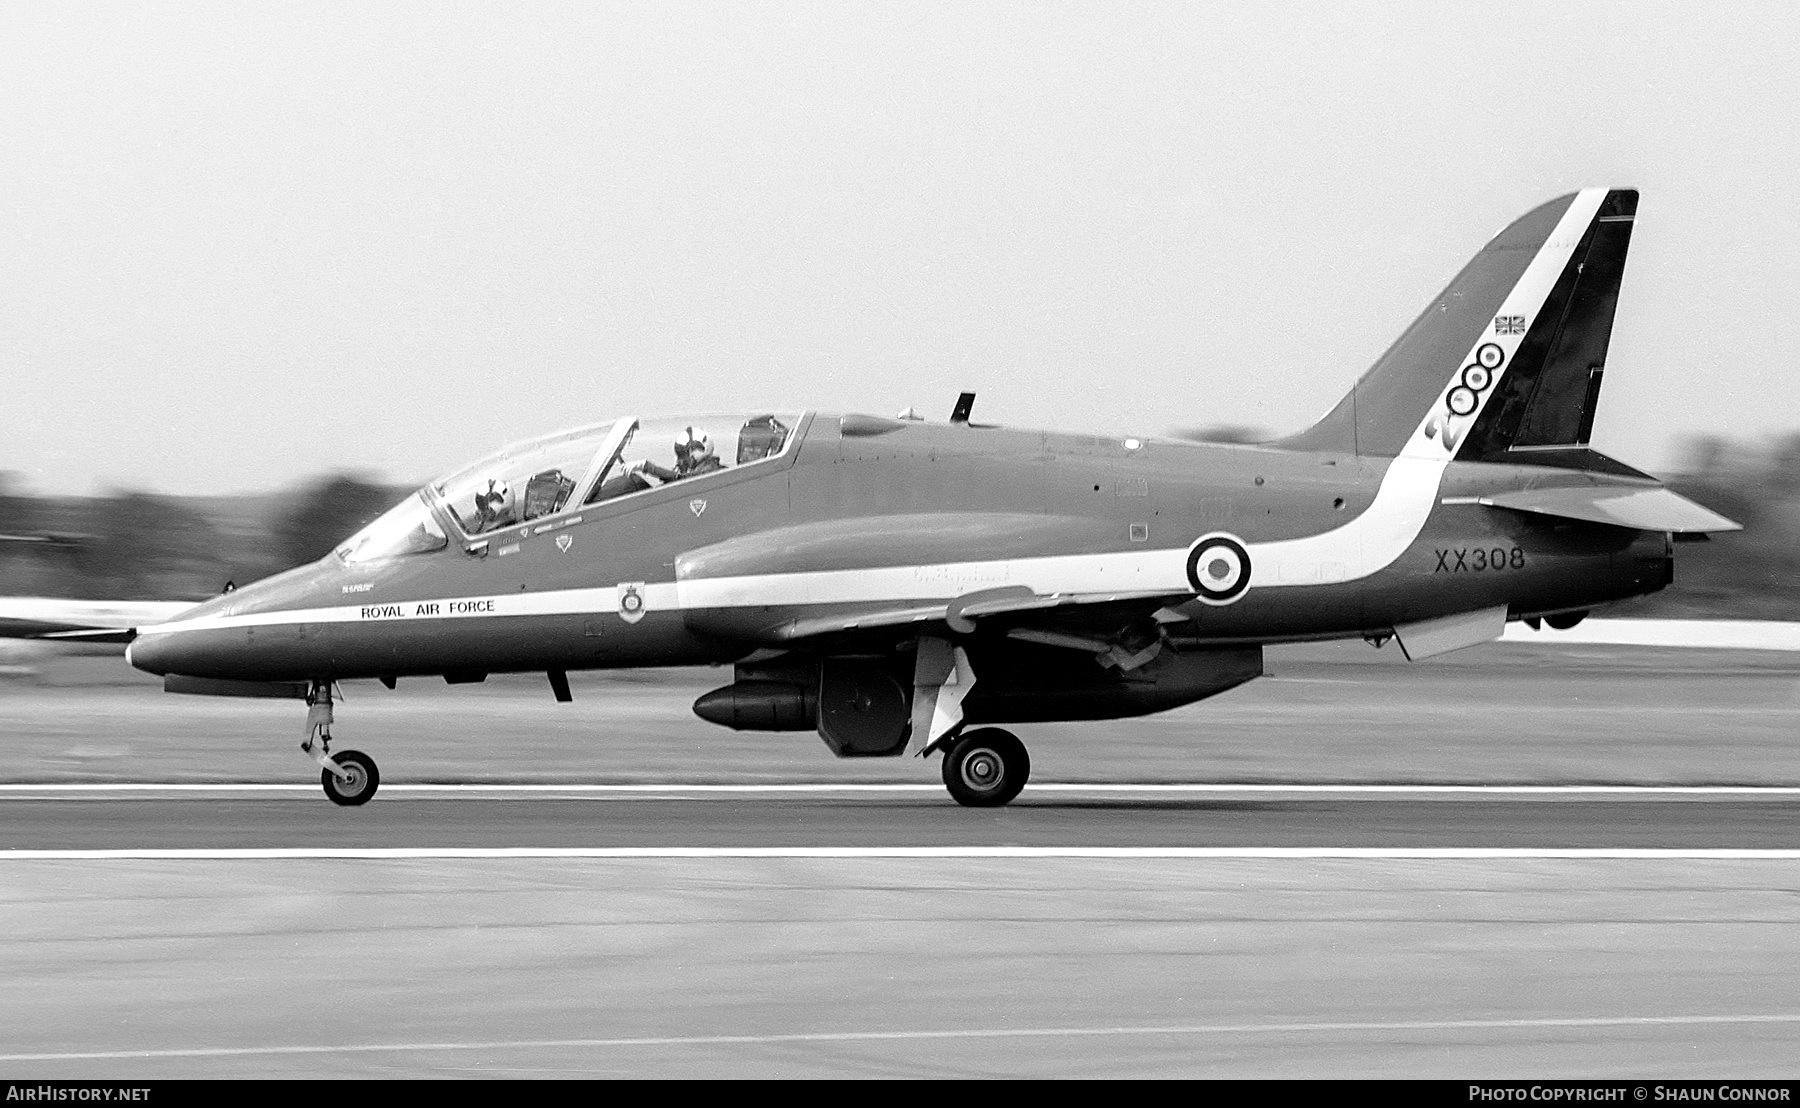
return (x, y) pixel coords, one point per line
(1507, 360)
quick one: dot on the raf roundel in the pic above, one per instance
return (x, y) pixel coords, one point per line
(1476, 376)
(1490, 355)
(1218, 567)
(1462, 401)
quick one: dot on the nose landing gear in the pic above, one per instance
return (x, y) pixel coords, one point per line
(359, 782)
(350, 777)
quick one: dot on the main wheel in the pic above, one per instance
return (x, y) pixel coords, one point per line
(986, 767)
(363, 780)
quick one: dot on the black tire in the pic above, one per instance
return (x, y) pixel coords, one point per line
(986, 768)
(364, 779)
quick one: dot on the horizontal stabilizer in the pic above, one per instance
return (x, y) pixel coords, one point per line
(1643, 508)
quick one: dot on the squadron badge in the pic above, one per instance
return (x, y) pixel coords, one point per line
(631, 601)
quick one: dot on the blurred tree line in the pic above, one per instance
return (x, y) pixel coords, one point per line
(1748, 574)
(139, 546)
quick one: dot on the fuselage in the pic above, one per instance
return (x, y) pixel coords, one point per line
(861, 514)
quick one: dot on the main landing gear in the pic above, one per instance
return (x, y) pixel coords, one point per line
(986, 767)
(350, 776)
(983, 768)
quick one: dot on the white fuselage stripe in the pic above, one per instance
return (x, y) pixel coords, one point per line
(675, 790)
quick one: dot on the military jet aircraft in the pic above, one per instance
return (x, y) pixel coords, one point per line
(897, 584)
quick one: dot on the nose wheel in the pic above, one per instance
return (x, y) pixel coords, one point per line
(986, 768)
(349, 776)
(358, 783)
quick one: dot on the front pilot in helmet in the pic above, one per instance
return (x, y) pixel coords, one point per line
(494, 506)
(694, 455)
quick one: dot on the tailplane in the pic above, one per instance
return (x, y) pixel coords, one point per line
(1505, 364)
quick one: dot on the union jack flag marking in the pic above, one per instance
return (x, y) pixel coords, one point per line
(1509, 325)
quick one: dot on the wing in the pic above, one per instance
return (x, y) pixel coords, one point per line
(1017, 609)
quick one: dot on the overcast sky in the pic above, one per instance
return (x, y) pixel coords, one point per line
(246, 242)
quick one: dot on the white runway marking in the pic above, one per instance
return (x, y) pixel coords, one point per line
(1371, 1027)
(385, 853)
(311, 790)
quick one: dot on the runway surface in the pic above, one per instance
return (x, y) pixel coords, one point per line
(900, 967)
(867, 818)
(686, 902)
(829, 956)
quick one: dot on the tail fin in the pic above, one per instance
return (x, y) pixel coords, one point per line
(1505, 363)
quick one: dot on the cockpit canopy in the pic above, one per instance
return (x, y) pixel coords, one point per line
(570, 470)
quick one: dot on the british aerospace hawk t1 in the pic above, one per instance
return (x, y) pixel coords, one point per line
(903, 585)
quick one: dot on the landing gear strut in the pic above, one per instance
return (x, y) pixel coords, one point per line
(350, 776)
(983, 768)
(986, 767)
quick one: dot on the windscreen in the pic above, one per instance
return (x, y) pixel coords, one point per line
(406, 528)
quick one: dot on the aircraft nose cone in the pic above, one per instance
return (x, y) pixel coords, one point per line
(190, 643)
(153, 654)
(203, 652)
